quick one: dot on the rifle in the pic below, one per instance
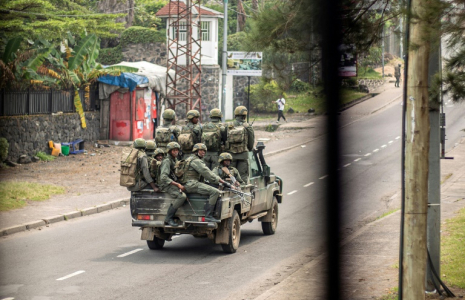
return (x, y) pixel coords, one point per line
(229, 188)
(226, 171)
(253, 121)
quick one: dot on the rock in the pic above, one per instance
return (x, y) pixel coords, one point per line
(291, 110)
(24, 159)
(35, 159)
(363, 88)
(311, 110)
(10, 163)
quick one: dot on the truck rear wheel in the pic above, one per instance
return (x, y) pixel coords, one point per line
(234, 228)
(156, 244)
(269, 228)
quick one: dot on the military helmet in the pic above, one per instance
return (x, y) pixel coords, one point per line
(169, 114)
(198, 147)
(215, 113)
(139, 143)
(172, 145)
(158, 151)
(240, 111)
(225, 156)
(193, 114)
(150, 145)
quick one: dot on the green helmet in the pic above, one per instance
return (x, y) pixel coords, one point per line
(139, 143)
(150, 145)
(169, 114)
(171, 146)
(158, 151)
(193, 114)
(198, 147)
(225, 156)
(215, 113)
(240, 111)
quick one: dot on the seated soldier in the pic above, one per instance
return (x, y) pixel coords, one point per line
(143, 178)
(167, 183)
(155, 164)
(149, 149)
(195, 168)
(226, 171)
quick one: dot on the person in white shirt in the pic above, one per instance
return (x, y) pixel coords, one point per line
(281, 102)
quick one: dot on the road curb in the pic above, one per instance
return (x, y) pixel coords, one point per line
(64, 217)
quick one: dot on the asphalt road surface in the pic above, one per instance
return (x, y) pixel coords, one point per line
(102, 257)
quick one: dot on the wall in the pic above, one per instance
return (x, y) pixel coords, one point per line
(30, 134)
(151, 52)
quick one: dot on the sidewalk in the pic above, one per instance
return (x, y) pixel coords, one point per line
(64, 207)
(370, 256)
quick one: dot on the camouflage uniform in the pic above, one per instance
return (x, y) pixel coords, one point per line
(196, 129)
(165, 179)
(234, 172)
(143, 178)
(168, 117)
(211, 157)
(241, 159)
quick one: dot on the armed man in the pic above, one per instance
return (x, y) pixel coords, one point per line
(226, 171)
(191, 133)
(213, 136)
(193, 169)
(155, 164)
(240, 140)
(167, 182)
(167, 132)
(143, 178)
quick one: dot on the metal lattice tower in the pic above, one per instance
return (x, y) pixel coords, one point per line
(184, 52)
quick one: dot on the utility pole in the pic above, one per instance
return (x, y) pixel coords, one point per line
(223, 59)
(417, 139)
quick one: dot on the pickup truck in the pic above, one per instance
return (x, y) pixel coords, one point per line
(260, 201)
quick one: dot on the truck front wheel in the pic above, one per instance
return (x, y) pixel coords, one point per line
(156, 244)
(269, 228)
(234, 227)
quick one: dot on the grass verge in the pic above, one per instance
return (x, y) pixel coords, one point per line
(45, 157)
(14, 194)
(387, 213)
(453, 260)
(391, 295)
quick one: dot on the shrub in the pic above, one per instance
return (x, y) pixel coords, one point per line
(141, 35)
(300, 86)
(3, 149)
(110, 56)
(45, 157)
(262, 94)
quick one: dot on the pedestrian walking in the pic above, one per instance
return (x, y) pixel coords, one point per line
(397, 75)
(281, 102)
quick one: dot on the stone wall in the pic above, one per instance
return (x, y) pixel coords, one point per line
(152, 52)
(240, 84)
(30, 134)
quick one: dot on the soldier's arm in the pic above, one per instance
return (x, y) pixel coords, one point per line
(145, 170)
(238, 176)
(199, 166)
(165, 173)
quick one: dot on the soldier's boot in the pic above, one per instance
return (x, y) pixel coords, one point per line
(170, 215)
(209, 213)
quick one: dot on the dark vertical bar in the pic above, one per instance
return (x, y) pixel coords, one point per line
(72, 100)
(331, 40)
(28, 101)
(248, 99)
(3, 102)
(50, 102)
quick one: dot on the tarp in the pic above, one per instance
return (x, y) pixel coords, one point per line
(154, 74)
(125, 80)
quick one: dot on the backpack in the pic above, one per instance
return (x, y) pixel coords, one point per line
(182, 166)
(237, 139)
(211, 136)
(163, 136)
(186, 139)
(154, 167)
(129, 166)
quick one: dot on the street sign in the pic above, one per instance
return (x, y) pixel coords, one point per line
(244, 63)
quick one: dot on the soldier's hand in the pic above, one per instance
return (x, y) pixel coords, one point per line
(181, 187)
(238, 184)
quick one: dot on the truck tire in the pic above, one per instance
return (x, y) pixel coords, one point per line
(156, 244)
(234, 227)
(269, 228)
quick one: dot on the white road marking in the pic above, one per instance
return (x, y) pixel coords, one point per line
(345, 166)
(368, 154)
(397, 137)
(293, 192)
(308, 184)
(9, 298)
(376, 150)
(383, 146)
(71, 275)
(130, 252)
(390, 142)
(357, 159)
(323, 177)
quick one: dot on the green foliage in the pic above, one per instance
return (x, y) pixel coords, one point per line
(368, 73)
(236, 41)
(299, 86)
(4, 145)
(352, 81)
(141, 35)
(372, 58)
(145, 17)
(45, 157)
(452, 258)
(262, 95)
(14, 195)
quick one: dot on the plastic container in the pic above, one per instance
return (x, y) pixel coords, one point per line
(65, 149)
(57, 146)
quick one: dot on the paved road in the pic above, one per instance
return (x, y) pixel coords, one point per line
(102, 257)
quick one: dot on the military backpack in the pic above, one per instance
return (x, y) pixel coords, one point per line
(182, 166)
(154, 169)
(130, 168)
(186, 139)
(211, 136)
(164, 135)
(236, 138)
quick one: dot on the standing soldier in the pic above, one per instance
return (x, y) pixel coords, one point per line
(191, 133)
(213, 136)
(143, 178)
(240, 140)
(167, 182)
(225, 171)
(192, 170)
(167, 132)
(397, 75)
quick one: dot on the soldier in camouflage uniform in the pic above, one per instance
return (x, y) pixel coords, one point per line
(167, 183)
(213, 136)
(143, 178)
(224, 161)
(240, 140)
(155, 164)
(150, 147)
(191, 133)
(167, 132)
(195, 168)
